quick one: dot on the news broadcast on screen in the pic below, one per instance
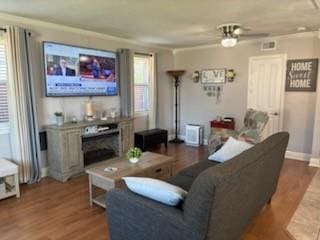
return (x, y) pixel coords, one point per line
(77, 71)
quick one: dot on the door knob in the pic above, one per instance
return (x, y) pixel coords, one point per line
(275, 114)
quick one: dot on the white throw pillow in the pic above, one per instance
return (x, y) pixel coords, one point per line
(230, 149)
(156, 189)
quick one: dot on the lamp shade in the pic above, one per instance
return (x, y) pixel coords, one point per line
(229, 42)
(176, 73)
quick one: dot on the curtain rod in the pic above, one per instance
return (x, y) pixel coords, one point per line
(143, 54)
(3, 29)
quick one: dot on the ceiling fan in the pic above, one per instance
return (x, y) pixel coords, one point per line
(231, 32)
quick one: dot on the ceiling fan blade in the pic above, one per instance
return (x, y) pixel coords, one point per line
(255, 35)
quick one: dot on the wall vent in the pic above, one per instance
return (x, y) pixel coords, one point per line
(268, 46)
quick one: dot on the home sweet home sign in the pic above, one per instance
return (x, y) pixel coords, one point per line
(302, 75)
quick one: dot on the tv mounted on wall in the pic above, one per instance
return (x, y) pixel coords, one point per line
(77, 71)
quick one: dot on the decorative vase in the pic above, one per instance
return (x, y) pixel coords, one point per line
(134, 160)
(60, 120)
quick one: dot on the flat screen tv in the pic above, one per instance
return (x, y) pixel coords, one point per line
(76, 71)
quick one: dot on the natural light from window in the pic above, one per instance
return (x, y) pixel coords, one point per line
(4, 112)
(141, 84)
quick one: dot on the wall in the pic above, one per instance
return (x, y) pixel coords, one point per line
(5, 149)
(196, 107)
(75, 106)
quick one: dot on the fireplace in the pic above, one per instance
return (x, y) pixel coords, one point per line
(100, 147)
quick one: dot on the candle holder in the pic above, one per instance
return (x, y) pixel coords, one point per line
(89, 115)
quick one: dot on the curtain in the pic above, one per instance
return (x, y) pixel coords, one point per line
(23, 123)
(126, 82)
(153, 93)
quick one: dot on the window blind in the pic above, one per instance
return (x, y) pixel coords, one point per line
(4, 111)
(141, 83)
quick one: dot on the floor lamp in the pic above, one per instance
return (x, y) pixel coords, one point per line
(176, 74)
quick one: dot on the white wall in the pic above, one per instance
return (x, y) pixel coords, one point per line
(5, 146)
(74, 105)
(196, 107)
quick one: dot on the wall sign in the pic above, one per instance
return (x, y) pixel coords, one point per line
(302, 75)
(217, 75)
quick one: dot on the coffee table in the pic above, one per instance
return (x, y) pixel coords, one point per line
(152, 165)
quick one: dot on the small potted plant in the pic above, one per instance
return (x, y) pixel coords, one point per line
(134, 154)
(59, 118)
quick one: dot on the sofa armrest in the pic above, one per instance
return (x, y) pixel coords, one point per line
(131, 216)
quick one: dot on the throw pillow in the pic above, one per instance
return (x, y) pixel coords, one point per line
(156, 189)
(230, 149)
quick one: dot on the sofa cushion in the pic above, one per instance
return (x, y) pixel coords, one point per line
(182, 181)
(157, 190)
(195, 169)
(229, 150)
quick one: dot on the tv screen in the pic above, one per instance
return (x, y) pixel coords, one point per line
(77, 71)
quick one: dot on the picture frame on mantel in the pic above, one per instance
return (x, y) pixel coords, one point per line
(213, 76)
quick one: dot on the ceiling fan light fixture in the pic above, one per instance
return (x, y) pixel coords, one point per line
(229, 42)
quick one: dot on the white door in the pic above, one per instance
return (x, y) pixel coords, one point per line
(266, 89)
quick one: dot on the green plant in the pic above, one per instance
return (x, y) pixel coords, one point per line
(58, 114)
(134, 153)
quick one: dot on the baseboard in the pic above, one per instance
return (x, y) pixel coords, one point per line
(314, 162)
(172, 136)
(44, 172)
(298, 156)
(182, 137)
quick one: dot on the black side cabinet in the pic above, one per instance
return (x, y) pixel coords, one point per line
(150, 138)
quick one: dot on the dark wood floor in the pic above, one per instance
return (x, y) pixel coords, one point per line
(54, 210)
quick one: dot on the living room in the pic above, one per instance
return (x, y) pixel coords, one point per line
(182, 48)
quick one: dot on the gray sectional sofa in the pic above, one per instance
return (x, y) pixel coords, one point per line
(222, 198)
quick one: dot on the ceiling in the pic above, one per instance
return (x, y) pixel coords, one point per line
(171, 23)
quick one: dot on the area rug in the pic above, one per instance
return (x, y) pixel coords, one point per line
(305, 223)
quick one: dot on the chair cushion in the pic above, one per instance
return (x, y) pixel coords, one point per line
(7, 168)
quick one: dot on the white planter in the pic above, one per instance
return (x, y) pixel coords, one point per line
(133, 160)
(60, 120)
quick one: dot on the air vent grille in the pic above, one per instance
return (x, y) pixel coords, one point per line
(268, 46)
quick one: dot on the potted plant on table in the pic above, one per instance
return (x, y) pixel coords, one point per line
(134, 154)
(59, 118)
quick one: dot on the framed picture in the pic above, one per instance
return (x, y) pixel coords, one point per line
(213, 76)
(302, 75)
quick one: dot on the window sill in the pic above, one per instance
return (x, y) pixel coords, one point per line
(141, 114)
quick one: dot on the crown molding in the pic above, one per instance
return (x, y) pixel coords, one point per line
(280, 37)
(39, 23)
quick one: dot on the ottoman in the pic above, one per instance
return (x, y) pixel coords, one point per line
(150, 138)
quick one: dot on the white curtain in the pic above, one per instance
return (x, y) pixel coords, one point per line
(23, 124)
(153, 93)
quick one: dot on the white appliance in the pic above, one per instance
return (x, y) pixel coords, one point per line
(194, 135)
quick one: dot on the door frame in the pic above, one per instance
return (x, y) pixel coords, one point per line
(283, 79)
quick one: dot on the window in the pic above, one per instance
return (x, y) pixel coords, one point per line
(4, 111)
(141, 84)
